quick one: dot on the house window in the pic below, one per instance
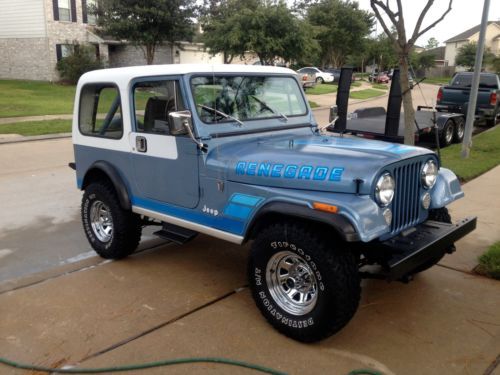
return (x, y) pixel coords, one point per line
(64, 7)
(91, 7)
(64, 50)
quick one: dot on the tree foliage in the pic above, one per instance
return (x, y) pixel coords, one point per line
(432, 43)
(466, 56)
(269, 29)
(78, 62)
(146, 23)
(340, 28)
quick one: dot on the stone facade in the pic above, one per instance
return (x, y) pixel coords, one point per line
(129, 55)
(25, 58)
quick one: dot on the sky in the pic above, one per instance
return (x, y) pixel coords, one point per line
(464, 15)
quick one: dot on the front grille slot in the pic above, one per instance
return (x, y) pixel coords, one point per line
(406, 203)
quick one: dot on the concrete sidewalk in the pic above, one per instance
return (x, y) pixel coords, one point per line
(179, 301)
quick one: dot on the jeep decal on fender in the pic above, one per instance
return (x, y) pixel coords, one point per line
(279, 170)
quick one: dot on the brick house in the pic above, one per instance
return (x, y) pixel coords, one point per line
(35, 34)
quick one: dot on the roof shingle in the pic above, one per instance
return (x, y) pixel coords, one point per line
(467, 34)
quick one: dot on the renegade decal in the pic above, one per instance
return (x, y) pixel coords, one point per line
(278, 170)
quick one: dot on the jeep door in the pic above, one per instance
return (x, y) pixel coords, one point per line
(165, 167)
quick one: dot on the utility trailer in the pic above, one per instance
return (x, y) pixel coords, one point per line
(387, 125)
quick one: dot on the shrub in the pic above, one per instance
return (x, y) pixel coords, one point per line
(80, 61)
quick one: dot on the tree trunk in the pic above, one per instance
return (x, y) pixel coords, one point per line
(150, 53)
(409, 112)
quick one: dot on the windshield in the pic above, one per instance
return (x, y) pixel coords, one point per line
(239, 99)
(487, 81)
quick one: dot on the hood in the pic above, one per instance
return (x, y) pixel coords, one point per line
(306, 162)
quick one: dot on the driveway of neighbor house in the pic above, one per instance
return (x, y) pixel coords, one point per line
(171, 301)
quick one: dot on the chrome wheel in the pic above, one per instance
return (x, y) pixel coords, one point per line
(460, 130)
(101, 221)
(292, 283)
(449, 134)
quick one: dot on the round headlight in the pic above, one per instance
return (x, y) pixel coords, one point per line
(429, 174)
(384, 190)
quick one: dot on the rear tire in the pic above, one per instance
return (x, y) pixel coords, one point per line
(319, 80)
(304, 288)
(113, 232)
(446, 136)
(459, 130)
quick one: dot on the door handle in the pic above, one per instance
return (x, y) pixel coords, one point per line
(141, 144)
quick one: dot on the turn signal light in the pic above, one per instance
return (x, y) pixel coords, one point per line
(325, 207)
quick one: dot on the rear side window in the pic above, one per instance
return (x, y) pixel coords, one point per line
(100, 111)
(487, 81)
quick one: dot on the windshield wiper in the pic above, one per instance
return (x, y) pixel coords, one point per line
(266, 106)
(225, 115)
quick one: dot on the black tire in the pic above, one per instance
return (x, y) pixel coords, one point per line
(446, 134)
(443, 216)
(459, 129)
(319, 80)
(334, 272)
(126, 227)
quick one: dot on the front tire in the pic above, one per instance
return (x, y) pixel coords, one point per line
(113, 232)
(306, 288)
(319, 80)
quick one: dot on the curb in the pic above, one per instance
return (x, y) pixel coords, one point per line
(45, 137)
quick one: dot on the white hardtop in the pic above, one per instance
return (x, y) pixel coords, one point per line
(125, 75)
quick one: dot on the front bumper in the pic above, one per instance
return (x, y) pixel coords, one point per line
(419, 245)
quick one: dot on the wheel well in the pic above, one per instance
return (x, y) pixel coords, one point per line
(269, 218)
(96, 174)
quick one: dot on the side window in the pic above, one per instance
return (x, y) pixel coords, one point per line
(153, 101)
(100, 111)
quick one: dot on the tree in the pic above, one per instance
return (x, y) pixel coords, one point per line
(466, 56)
(340, 27)
(269, 29)
(432, 43)
(403, 47)
(146, 23)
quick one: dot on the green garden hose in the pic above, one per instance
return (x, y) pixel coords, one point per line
(167, 362)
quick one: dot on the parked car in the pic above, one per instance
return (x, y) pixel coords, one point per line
(234, 152)
(336, 74)
(308, 80)
(379, 78)
(321, 76)
(455, 96)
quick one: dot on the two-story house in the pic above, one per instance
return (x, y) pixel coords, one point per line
(35, 34)
(492, 40)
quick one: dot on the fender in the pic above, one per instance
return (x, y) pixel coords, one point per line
(340, 223)
(116, 180)
(442, 118)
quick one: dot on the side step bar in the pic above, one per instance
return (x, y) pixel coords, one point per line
(175, 233)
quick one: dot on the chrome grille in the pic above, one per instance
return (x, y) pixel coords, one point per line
(406, 204)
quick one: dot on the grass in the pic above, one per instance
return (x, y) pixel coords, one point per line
(485, 155)
(32, 98)
(355, 84)
(313, 104)
(322, 89)
(37, 127)
(489, 262)
(438, 80)
(366, 94)
(379, 86)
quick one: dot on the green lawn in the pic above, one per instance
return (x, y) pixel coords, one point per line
(380, 86)
(32, 98)
(366, 94)
(37, 127)
(313, 104)
(355, 84)
(484, 155)
(438, 80)
(322, 89)
(489, 262)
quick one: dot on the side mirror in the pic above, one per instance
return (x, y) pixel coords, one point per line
(180, 122)
(334, 112)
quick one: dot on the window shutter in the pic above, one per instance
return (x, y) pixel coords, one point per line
(55, 7)
(58, 52)
(73, 10)
(84, 11)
